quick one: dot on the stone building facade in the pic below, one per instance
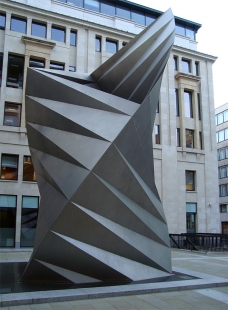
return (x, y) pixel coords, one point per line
(78, 36)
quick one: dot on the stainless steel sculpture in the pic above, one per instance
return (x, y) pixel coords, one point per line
(100, 215)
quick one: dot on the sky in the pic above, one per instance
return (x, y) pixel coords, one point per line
(212, 37)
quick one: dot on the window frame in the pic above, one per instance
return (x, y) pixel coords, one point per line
(10, 179)
(15, 104)
(193, 179)
(54, 27)
(18, 19)
(74, 43)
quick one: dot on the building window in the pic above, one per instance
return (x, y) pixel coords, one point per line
(39, 30)
(185, 31)
(157, 134)
(197, 68)
(75, 2)
(177, 102)
(223, 190)
(58, 34)
(98, 44)
(223, 172)
(175, 65)
(7, 220)
(199, 106)
(15, 71)
(186, 67)
(149, 19)
(224, 227)
(188, 104)
(178, 136)
(35, 63)
(111, 46)
(223, 208)
(189, 138)
(72, 68)
(28, 170)
(56, 66)
(221, 117)
(190, 180)
(222, 153)
(2, 21)
(29, 214)
(157, 109)
(9, 167)
(12, 114)
(1, 65)
(73, 38)
(139, 18)
(108, 8)
(92, 5)
(18, 24)
(200, 140)
(191, 209)
(222, 135)
(123, 12)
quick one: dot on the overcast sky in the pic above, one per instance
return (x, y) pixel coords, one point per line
(212, 36)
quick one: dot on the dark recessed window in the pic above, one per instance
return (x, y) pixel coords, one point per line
(177, 102)
(75, 2)
(9, 167)
(111, 46)
(8, 207)
(28, 169)
(175, 65)
(139, 18)
(200, 140)
(197, 68)
(2, 21)
(18, 24)
(157, 134)
(72, 68)
(92, 5)
(1, 65)
(29, 214)
(188, 104)
(178, 136)
(157, 109)
(36, 63)
(12, 114)
(56, 66)
(15, 71)
(73, 38)
(199, 105)
(39, 30)
(149, 20)
(186, 66)
(98, 44)
(189, 138)
(223, 190)
(123, 12)
(58, 34)
(190, 180)
(108, 8)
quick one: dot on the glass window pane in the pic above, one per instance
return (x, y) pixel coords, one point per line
(197, 68)
(188, 104)
(2, 21)
(75, 2)
(226, 133)
(225, 116)
(178, 136)
(180, 30)
(139, 18)
(199, 106)
(35, 63)
(92, 5)
(8, 201)
(1, 64)
(58, 34)
(72, 68)
(190, 33)
(111, 47)
(157, 134)
(177, 102)
(15, 71)
(73, 38)
(39, 30)
(175, 62)
(190, 180)
(190, 207)
(186, 66)
(29, 214)
(220, 118)
(200, 140)
(9, 167)
(56, 66)
(18, 24)
(222, 172)
(28, 169)
(122, 12)
(98, 44)
(190, 222)
(222, 154)
(149, 20)
(226, 155)
(7, 222)
(189, 138)
(108, 8)
(12, 114)
(221, 135)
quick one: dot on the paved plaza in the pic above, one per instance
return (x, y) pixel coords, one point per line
(209, 292)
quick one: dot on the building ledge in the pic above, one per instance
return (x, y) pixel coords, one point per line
(34, 41)
(187, 76)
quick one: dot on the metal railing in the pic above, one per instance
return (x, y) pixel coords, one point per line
(199, 242)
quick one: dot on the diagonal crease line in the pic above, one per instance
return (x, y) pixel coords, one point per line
(131, 269)
(142, 244)
(146, 189)
(147, 218)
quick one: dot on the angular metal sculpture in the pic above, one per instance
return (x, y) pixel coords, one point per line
(100, 217)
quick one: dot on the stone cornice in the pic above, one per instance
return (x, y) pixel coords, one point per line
(187, 76)
(34, 41)
(188, 52)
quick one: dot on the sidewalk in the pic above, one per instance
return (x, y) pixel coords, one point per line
(208, 292)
